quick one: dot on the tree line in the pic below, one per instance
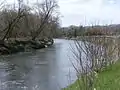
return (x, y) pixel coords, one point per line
(20, 20)
(74, 31)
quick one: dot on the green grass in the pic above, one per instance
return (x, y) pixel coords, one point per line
(108, 79)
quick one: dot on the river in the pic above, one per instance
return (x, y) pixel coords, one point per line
(45, 69)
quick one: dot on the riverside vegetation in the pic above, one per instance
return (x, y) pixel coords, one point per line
(24, 27)
(99, 70)
(108, 79)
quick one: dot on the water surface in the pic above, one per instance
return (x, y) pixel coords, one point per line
(45, 69)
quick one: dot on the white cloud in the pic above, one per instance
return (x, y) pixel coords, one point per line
(89, 12)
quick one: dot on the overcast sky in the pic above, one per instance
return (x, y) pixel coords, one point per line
(87, 12)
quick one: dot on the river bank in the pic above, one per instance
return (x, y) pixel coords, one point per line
(22, 45)
(109, 79)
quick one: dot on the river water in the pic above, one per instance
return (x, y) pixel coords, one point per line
(45, 69)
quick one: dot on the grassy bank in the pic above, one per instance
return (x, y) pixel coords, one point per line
(109, 79)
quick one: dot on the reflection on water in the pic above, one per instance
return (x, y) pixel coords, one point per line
(45, 69)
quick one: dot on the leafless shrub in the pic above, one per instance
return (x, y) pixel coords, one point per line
(92, 55)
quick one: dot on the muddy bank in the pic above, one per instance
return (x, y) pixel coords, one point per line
(23, 45)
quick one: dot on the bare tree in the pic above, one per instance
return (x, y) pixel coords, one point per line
(2, 4)
(12, 17)
(44, 11)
